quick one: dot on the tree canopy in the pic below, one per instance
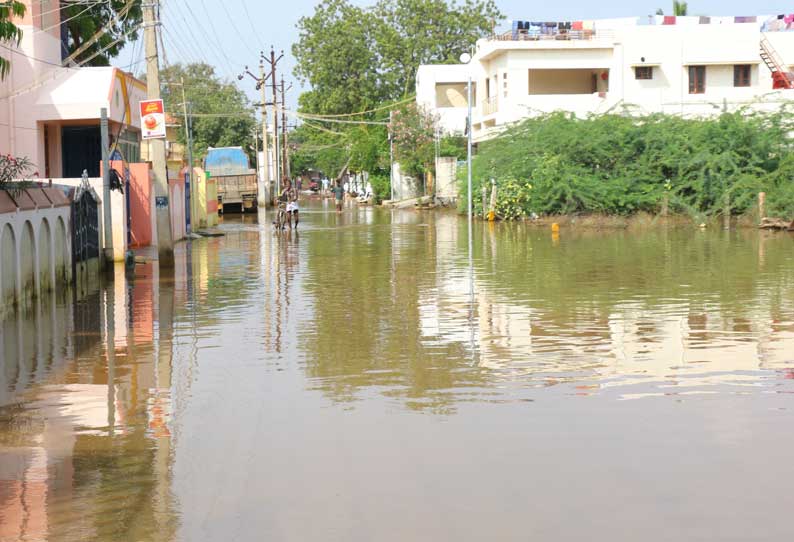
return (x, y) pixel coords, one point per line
(208, 94)
(363, 58)
(9, 32)
(122, 18)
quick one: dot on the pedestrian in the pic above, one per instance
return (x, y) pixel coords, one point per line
(326, 183)
(339, 195)
(290, 195)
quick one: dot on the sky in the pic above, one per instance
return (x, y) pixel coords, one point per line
(230, 33)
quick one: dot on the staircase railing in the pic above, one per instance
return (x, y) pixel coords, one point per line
(781, 76)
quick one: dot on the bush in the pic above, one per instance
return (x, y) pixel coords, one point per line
(381, 186)
(558, 164)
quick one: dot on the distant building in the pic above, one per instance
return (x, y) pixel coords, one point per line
(691, 66)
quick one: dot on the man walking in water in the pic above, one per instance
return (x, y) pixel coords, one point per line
(339, 195)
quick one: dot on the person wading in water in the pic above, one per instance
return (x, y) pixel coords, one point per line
(290, 195)
(339, 195)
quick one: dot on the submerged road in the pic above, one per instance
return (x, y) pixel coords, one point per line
(341, 384)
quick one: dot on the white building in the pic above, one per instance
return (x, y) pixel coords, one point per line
(691, 66)
(50, 113)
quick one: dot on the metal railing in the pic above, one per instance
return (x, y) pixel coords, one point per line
(489, 106)
(554, 34)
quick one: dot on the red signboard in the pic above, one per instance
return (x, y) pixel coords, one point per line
(152, 119)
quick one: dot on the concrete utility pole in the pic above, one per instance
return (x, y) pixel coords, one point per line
(188, 133)
(265, 145)
(107, 222)
(273, 64)
(285, 149)
(165, 244)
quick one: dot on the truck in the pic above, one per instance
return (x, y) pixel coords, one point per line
(236, 180)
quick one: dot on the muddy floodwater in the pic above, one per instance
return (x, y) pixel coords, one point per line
(359, 381)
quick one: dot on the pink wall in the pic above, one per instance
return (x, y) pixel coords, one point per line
(140, 203)
(176, 193)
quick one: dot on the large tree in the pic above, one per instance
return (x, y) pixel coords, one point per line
(223, 116)
(355, 58)
(9, 32)
(100, 31)
(358, 59)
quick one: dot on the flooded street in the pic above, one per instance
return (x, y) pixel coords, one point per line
(342, 383)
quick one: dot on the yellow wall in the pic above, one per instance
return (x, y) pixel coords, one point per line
(561, 81)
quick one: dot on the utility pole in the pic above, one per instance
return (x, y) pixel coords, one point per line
(265, 146)
(108, 221)
(188, 134)
(391, 155)
(273, 63)
(165, 245)
(263, 189)
(285, 149)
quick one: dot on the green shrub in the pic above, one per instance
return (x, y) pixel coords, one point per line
(558, 164)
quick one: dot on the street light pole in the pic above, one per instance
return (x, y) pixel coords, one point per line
(468, 185)
(466, 58)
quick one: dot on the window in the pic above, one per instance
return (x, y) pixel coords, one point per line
(697, 79)
(504, 83)
(741, 75)
(643, 72)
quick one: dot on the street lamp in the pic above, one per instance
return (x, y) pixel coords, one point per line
(465, 58)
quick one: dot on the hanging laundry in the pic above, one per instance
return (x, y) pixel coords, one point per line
(668, 20)
(577, 25)
(745, 19)
(588, 25)
(704, 20)
(788, 19)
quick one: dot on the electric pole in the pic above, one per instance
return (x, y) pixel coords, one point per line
(273, 63)
(263, 188)
(265, 146)
(188, 139)
(284, 152)
(165, 245)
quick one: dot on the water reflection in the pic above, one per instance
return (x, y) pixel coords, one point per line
(219, 400)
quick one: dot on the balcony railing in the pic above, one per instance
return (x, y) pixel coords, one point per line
(489, 106)
(553, 34)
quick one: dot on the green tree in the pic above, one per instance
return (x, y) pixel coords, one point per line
(120, 16)
(680, 9)
(358, 59)
(209, 95)
(9, 32)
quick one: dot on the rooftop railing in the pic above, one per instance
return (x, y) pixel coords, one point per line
(553, 34)
(489, 106)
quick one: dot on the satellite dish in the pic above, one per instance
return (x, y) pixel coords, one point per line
(465, 58)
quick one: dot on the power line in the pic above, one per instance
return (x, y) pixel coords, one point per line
(254, 31)
(381, 108)
(196, 41)
(238, 32)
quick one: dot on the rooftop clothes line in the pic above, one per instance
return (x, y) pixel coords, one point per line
(779, 23)
(584, 29)
(537, 29)
(669, 20)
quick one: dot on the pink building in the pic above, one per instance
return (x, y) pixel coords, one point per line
(50, 113)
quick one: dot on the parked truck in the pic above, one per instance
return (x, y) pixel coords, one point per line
(235, 179)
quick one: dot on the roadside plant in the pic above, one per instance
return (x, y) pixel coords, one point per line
(14, 170)
(413, 134)
(618, 165)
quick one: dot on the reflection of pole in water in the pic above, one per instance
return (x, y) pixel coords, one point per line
(110, 331)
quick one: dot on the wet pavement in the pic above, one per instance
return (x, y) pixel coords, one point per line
(342, 383)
